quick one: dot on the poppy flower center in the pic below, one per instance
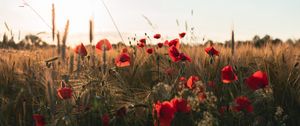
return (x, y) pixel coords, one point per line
(123, 59)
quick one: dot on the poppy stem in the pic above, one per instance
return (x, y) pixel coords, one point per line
(78, 66)
(157, 60)
(104, 59)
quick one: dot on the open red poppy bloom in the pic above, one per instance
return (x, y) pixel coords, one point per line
(39, 119)
(174, 42)
(80, 50)
(150, 50)
(257, 80)
(123, 60)
(211, 51)
(103, 43)
(174, 54)
(242, 103)
(182, 34)
(227, 75)
(64, 92)
(166, 43)
(157, 36)
(191, 82)
(160, 45)
(142, 40)
(184, 57)
(141, 45)
(164, 112)
(105, 120)
(181, 105)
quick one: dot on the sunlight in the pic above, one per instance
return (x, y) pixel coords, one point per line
(77, 11)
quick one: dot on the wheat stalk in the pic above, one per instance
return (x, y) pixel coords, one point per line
(91, 30)
(104, 59)
(58, 43)
(64, 40)
(71, 64)
(50, 91)
(78, 66)
(232, 43)
(53, 22)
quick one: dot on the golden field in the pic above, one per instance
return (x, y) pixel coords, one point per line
(127, 95)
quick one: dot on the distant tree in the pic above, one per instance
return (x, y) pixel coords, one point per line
(267, 38)
(276, 41)
(35, 41)
(256, 38)
(11, 43)
(289, 42)
(261, 42)
(4, 41)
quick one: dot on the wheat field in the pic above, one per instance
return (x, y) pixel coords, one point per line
(105, 94)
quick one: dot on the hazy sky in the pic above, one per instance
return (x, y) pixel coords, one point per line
(212, 19)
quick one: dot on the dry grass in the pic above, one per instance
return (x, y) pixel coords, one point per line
(28, 86)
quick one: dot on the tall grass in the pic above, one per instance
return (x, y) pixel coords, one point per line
(29, 87)
(64, 41)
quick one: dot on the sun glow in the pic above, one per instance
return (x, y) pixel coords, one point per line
(77, 11)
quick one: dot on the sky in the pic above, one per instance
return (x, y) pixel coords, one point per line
(212, 19)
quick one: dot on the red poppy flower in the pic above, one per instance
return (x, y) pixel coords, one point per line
(150, 50)
(181, 35)
(174, 54)
(122, 60)
(39, 119)
(184, 57)
(191, 81)
(257, 80)
(201, 97)
(105, 120)
(160, 45)
(141, 45)
(242, 103)
(182, 79)
(166, 43)
(103, 43)
(142, 40)
(64, 92)
(157, 36)
(211, 51)
(227, 75)
(80, 50)
(181, 105)
(164, 112)
(124, 50)
(174, 42)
